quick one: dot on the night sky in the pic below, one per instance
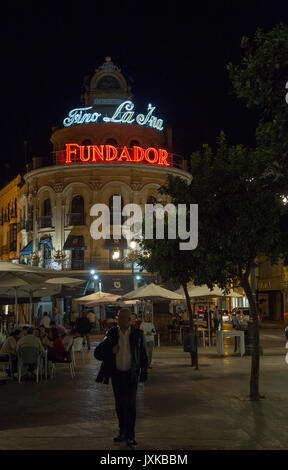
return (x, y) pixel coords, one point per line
(174, 59)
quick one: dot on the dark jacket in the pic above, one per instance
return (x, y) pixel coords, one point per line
(139, 360)
(83, 325)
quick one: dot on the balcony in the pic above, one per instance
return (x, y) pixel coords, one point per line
(175, 160)
(100, 264)
(75, 218)
(45, 221)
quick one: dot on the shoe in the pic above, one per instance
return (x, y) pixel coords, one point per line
(120, 438)
(131, 442)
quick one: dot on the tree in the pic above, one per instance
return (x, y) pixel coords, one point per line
(241, 216)
(165, 257)
(261, 81)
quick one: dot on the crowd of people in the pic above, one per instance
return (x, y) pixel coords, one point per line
(41, 338)
(51, 336)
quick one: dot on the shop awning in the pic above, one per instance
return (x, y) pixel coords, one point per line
(74, 242)
(113, 244)
(28, 249)
(45, 241)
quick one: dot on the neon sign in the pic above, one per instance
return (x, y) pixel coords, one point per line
(124, 114)
(107, 153)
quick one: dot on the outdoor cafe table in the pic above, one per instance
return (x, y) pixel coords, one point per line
(186, 328)
(220, 335)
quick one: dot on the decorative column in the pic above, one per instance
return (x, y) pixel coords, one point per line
(59, 217)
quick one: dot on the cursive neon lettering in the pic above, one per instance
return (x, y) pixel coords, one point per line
(124, 114)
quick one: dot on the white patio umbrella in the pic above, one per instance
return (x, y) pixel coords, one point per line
(153, 293)
(65, 281)
(17, 275)
(98, 298)
(27, 290)
(205, 291)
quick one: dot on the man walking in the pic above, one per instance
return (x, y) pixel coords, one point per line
(125, 360)
(83, 327)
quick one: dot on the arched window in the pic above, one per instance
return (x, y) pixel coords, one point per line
(77, 205)
(151, 200)
(111, 142)
(77, 215)
(47, 207)
(134, 143)
(108, 82)
(86, 142)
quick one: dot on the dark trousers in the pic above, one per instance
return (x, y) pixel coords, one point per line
(125, 390)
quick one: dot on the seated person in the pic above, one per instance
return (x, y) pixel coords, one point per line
(24, 331)
(55, 346)
(31, 340)
(9, 347)
(43, 333)
(36, 332)
(46, 320)
(60, 329)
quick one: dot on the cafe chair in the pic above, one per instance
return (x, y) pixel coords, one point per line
(6, 360)
(77, 346)
(28, 355)
(68, 361)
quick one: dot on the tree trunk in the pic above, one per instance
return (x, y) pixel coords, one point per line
(193, 355)
(255, 356)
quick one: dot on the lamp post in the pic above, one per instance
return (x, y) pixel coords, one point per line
(94, 276)
(133, 248)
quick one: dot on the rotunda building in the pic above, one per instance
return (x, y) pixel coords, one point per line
(105, 148)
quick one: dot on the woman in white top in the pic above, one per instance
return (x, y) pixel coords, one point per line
(149, 332)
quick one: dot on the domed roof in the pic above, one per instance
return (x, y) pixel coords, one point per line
(107, 86)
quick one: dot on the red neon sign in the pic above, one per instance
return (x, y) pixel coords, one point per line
(107, 153)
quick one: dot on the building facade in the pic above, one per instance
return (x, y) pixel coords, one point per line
(103, 149)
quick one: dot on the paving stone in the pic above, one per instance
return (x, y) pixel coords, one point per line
(179, 408)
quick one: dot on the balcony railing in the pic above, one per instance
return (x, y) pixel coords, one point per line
(175, 160)
(45, 221)
(99, 264)
(76, 218)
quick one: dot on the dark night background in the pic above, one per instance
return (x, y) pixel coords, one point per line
(176, 58)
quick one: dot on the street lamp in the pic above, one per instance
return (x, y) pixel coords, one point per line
(133, 244)
(116, 255)
(93, 276)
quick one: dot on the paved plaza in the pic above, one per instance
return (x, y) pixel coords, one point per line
(179, 408)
